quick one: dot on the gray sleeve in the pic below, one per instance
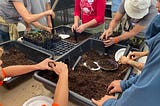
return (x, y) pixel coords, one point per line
(121, 8)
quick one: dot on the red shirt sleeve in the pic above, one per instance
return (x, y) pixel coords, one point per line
(100, 10)
(77, 9)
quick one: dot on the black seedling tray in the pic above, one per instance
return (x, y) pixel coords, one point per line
(70, 58)
(31, 53)
(62, 47)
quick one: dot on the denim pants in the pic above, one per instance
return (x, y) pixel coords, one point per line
(4, 36)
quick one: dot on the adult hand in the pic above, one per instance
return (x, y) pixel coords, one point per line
(60, 68)
(44, 64)
(74, 27)
(51, 12)
(81, 28)
(48, 29)
(106, 34)
(109, 41)
(123, 60)
(102, 100)
(114, 87)
(135, 55)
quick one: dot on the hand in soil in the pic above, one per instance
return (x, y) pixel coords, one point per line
(114, 87)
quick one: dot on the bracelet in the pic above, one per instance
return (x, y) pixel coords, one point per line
(116, 39)
(54, 104)
(1, 83)
(4, 75)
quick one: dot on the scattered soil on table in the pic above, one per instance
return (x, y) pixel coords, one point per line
(15, 57)
(91, 84)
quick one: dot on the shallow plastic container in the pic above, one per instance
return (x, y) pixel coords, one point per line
(31, 53)
(70, 58)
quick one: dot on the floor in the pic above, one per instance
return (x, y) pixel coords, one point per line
(19, 94)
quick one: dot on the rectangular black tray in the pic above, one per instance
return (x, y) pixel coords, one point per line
(30, 52)
(70, 58)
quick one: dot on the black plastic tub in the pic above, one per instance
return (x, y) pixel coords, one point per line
(30, 53)
(70, 58)
(63, 29)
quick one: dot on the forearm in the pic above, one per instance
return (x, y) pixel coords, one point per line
(26, 15)
(39, 26)
(90, 23)
(126, 35)
(48, 7)
(61, 92)
(138, 65)
(115, 21)
(133, 32)
(76, 19)
(113, 24)
(12, 71)
(145, 53)
(1, 77)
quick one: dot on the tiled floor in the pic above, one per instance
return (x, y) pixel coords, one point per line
(18, 95)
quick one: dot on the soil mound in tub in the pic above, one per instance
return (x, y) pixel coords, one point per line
(88, 83)
(15, 57)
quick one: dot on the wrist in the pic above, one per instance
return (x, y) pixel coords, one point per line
(116, 39)
(129, 61)
(3, 73)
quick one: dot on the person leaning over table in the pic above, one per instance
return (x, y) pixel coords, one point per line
(11, 11)
(142, 90)
(92, 14)
(131, 59)
(61, 92)
(139, 14)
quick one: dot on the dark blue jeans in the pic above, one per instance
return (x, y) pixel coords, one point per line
(4, 36)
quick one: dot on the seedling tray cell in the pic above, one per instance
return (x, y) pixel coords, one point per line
(62, 47)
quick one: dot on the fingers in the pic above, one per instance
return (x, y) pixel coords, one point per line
(95, 102)
(110, 87)
(112, 91)
(51, 64)
(108, 42)
(102, 36)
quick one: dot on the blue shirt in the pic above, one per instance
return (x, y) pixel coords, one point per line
(144, 90)
(115, 5)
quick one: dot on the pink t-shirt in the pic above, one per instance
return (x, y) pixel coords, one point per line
(90, 9)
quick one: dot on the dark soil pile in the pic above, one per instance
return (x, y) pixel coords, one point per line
(15, 57)
(91, 84)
